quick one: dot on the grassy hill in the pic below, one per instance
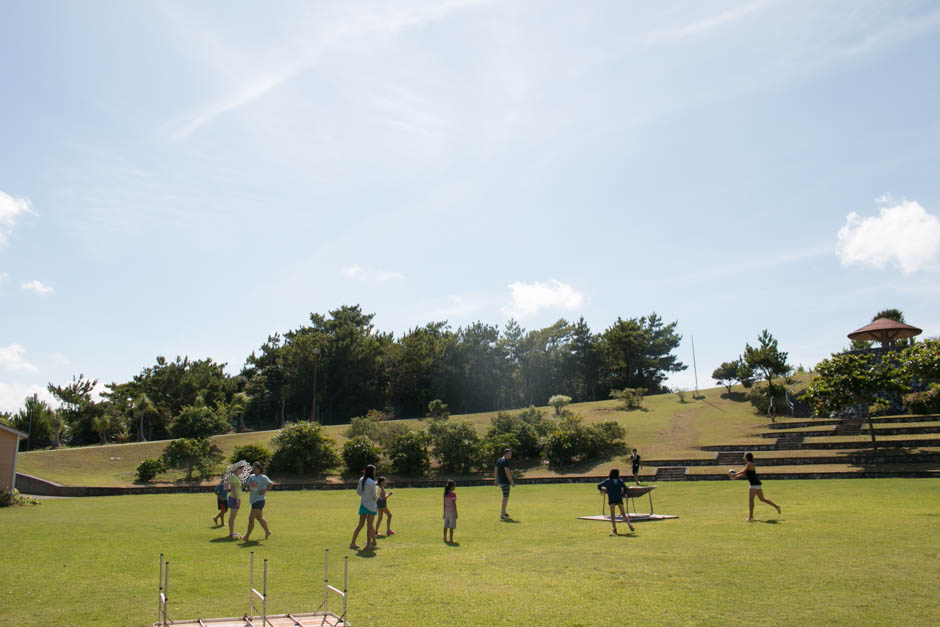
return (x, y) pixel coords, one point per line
(665, 428)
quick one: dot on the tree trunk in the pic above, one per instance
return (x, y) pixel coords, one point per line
(871, 428)
(140, 431)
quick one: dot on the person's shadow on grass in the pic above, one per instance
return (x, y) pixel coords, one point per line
(770, 521)
(248, 544)
(366, 553)
(510, 520)
(224, 539)
(452, 544)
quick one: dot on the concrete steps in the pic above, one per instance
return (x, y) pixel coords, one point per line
(670, 473)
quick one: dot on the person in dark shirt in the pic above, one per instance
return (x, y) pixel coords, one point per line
(616, 490)
(755, 486)
(635, 463)
(503, 479)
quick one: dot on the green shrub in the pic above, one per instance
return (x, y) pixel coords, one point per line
(527, 427)
(572, 441)
(409, 453)
(150, 468)
(251, 453)
(926, 402)
(559, 402)
(454, 444)
(359, 452)
(437, 410)
(303, 448)
(604, 438)
(880, 407)
(191, 454)
(10, 497)
(563, 446)
(492, 447)
(630, 398)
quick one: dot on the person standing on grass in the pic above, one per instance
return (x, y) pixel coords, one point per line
(616, 490)
(258, 484)
(450, 510)
(234, 502)
(221, 497)
(503, 478)
(382, 504)
(755, 487)
(635, 463)
(367, 508)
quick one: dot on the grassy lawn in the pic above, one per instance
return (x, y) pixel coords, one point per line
(843, 552)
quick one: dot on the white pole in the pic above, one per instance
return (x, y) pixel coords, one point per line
(694, 367)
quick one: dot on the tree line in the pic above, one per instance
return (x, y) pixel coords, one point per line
(339, 366)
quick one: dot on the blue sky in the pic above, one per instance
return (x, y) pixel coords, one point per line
(186, 178)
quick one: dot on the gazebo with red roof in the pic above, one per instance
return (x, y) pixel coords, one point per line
(885, 330)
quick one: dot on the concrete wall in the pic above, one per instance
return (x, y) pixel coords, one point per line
(9, 442)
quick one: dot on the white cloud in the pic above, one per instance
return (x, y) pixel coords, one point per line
(903, 234)
(529, 298)
(12, 396)
(11, 208)
(703, 26)
(11, 358)
(371, 276)
(3, 277)
(60, 359)
(38, 287)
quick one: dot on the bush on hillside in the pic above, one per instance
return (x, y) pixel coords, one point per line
(454, 444)
(437, 410)
(492, 447)
(572, 441)
(559, 402)
(926, 402)
(359, 452)
(303, 448)
(150, 468)
(191, 454)
(527, 428)
(630, 398)
(409, 454)
(250, 453)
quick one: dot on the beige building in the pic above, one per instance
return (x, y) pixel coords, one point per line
(9, 443)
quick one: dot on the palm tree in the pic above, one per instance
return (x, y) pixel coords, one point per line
(143, 409)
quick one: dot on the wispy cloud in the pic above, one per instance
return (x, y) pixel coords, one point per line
(11, 208)
(903, 234)
(3, 277)
(359, 273)
(703, 26)
(11, 358)
(38, 287)
(529, 298)
(298, 55)
(897, 30)
(60, 359)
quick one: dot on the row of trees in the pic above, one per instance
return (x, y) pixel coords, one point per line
(340, 365)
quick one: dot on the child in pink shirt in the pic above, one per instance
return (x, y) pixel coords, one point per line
(450, 510)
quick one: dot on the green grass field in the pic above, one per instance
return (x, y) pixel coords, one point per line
(843, 552)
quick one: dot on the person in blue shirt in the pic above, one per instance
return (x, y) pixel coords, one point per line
(616, 490)
(221, 496)
(257, 485)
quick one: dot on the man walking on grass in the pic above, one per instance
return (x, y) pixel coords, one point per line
(503, 478)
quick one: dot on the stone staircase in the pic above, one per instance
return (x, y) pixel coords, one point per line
(789, 442)
(670, 473)
(725, 458)
(849, 426)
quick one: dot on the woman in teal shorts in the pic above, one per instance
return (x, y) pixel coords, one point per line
(368, 508)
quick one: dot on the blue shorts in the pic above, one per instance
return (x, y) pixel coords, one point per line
(258, 504)
(232, 503)
(365, 510)
(505, 488)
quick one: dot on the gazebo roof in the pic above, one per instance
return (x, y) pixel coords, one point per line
(885, 330)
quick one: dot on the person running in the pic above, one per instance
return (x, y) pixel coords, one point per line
(503, 479)
(367, 507)
(756, 489)
(382, 504)
(616, 490)
(234, 502)
(635, 464)
(221, 498)
(450, 510)
(257, 484)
